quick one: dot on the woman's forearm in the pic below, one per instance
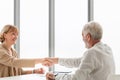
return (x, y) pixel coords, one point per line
(39, 60)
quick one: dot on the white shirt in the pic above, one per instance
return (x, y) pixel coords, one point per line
(96, 64)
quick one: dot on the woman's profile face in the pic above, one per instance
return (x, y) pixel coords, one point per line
(11, 37)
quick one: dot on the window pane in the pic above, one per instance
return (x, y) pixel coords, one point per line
(109, 17)
(33, 28)
(70, 16)
(6, 12)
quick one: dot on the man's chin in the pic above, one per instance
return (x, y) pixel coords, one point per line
(86, 47)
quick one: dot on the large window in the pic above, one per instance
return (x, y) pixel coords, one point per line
(33, 28)
(6, 12)
(70, 16)
(108, 14)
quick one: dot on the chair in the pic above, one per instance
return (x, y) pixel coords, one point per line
(114, 77)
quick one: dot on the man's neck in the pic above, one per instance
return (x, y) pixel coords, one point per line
(93, 42)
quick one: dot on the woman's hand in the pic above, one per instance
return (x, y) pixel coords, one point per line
(49, 61)
(39, 71)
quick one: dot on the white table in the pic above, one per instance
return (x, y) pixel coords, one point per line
(26, 77)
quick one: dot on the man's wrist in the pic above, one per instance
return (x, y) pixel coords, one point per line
(55, 60)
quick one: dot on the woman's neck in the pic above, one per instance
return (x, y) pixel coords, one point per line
(6, 45)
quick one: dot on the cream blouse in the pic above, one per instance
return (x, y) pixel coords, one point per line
(11, 65)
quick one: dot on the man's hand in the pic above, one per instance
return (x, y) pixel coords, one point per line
(50, 76)
(49, 61)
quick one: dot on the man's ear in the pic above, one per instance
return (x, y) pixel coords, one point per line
(88, 37)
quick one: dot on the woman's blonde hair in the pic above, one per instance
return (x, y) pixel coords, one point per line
(6, 29)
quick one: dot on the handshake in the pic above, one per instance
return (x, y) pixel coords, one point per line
(47, 61)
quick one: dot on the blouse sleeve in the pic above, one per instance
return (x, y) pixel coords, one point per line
(8, 60)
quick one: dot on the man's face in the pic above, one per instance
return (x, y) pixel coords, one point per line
(85, 39)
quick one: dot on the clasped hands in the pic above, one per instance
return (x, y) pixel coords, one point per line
(49, 61)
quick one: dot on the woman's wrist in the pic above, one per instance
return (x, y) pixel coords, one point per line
(39, 60)
(33, 71)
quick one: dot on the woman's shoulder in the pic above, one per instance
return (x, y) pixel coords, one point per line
(1, 47)
(2, 50)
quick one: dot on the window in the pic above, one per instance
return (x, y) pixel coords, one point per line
(107, 13)
(70, 16)
(6, 12)
(33, 28)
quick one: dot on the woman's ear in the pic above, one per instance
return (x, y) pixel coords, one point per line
(4, 35)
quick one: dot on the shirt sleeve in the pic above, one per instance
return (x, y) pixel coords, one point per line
(85, 68)
(63, 77)
(69, 62)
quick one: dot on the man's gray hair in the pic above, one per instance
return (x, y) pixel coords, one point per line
(94, 29)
